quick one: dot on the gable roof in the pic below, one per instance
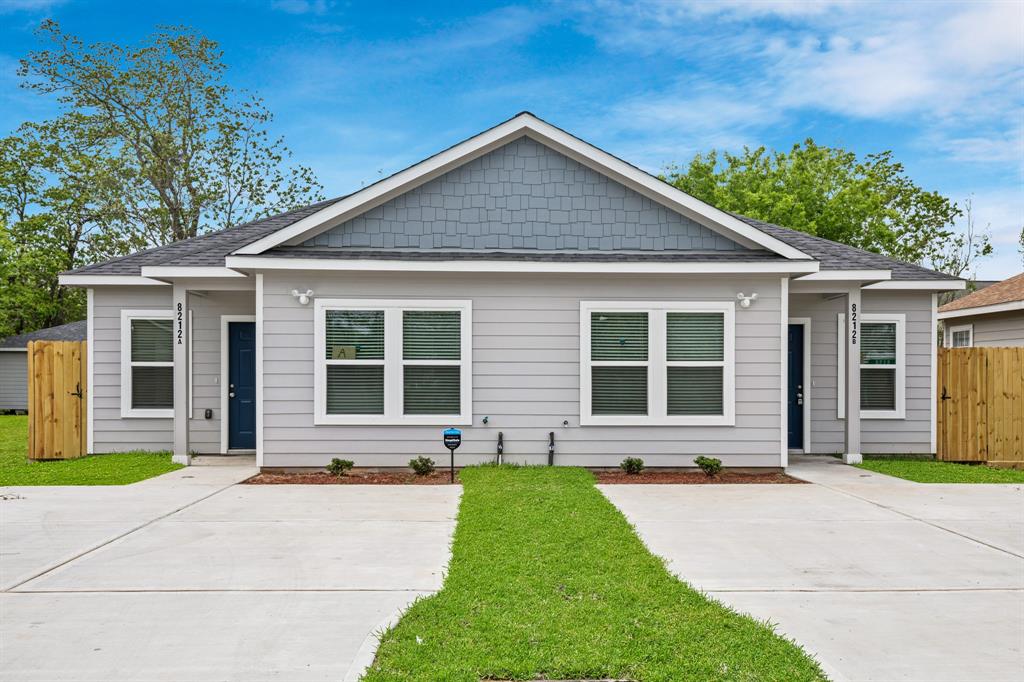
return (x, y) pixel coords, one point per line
(72, 331)
(1002, 294)
(281, 235)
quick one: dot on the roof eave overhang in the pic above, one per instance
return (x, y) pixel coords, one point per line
(1010, 306)
(86, 280)
(272, 263)
(934, 285)
(523, 124)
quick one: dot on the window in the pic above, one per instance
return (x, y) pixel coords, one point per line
(882, 366)
(147, 364)
(393, 362)
(961, 336)
(656, 363)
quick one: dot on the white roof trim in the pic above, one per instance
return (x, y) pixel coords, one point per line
(460, 265)
(983, 310)
(14, 350)
(173, 271)
(107, 280)
(846, 275)
(487, 141)
(920, 285)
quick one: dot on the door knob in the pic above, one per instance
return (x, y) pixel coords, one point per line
(231, 394)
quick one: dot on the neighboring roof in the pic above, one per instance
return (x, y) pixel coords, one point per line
(210, 250)
(836, 256)
(1008, 291)
(72, 331)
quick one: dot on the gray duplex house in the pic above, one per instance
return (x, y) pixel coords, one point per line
(521, 282)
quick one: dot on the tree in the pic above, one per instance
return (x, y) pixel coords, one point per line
(186, 151)
(869, 203)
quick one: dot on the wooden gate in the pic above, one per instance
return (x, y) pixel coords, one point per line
(980, 415)
(56, 399)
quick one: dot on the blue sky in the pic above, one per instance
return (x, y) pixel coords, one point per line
(363, 89)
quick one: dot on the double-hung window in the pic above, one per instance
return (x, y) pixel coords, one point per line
(669, 363)
(882, 366)
(147, 364)
(961, 336)
(393, 362)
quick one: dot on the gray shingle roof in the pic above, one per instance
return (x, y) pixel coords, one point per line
(550, 256)
(72, 331)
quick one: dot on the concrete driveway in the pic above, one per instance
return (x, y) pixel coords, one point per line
(190, 577)
(879, 578)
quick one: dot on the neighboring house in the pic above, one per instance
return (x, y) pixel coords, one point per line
(14, 361)
(521, 282)
(993, 316)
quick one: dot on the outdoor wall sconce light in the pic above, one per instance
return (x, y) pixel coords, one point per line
(745, 301)
(303, 296)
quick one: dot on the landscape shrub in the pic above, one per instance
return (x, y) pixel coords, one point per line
(423, 466)
(709, 465)
(339, 467)
(632, 465)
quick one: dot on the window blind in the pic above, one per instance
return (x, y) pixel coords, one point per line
(152, 387)
(355, 389)
(878, 343)
(430, 389)
(618, 336)
(619, 390)
(695, 337)
(151, 341)
(877, 389)
(694, 390)
(431, 334)
(355, 334)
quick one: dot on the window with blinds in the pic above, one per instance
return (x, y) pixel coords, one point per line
(878, 366)
(657, 363)
(396, 362)
(151, 363)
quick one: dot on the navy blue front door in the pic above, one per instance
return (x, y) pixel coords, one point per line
(241, 385)
(796, 386)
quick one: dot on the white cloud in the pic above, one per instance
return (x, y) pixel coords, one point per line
(11, 6)
(302, 6)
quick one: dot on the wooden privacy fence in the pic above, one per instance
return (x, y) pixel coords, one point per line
(56, 399)
(980, 415)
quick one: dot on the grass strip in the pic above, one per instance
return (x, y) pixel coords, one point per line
(942, 472)
(113, 469)
(548, 580)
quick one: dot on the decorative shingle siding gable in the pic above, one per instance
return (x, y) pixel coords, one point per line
(524, 196)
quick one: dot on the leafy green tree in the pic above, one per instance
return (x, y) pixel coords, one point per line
(187, 151)
(865, 202)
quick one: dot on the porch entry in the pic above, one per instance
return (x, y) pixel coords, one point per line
(796, 387)
(241, 385)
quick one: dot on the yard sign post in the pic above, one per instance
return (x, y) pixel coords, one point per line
(452, 440)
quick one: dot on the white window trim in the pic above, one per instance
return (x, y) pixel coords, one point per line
(901, 366)
(393, 362)
(127, 411)
(969, 328)
(657, 365)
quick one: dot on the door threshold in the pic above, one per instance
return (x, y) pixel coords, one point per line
(241, 452)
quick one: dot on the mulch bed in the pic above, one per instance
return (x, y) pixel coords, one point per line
(693, 477)
(354, 477)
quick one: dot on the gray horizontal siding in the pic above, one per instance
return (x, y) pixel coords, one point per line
(525, 372)
(997, 329)
(909, 435)
(523, 195)
(13, 380)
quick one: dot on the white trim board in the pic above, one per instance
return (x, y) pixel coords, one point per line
(259, 369)
(90, 342)
(983, 310)
(657, 364)
(489, 140)
(127, 411)
(224, 350)
(107, 280)
(919, 285)
(463, 265)
(933, 359)
(901, 366)
(806, 322)
(847, 275)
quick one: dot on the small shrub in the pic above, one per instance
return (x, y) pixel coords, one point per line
(423, 466)
(632, 465)
(339, 467)
(709, 465)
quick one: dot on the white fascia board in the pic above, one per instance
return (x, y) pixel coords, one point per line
(523, 124)
(983, 310)
(107, 280)
(13, 350)
(356, 264)
(847, 275)
(920, 285)
(179, 272)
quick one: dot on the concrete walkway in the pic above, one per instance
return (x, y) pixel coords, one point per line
(190, 577)
(879, 578)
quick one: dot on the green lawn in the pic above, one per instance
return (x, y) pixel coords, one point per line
(117, 469)
(929, 471)
(547, 579)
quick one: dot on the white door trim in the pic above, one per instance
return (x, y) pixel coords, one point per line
(224, 320)
(805, 322)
